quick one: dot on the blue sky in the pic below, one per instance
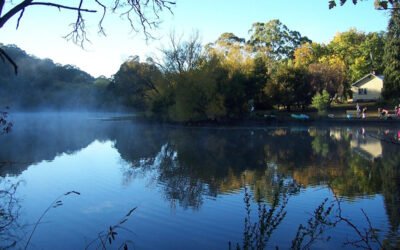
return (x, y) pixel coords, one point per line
(42, 28)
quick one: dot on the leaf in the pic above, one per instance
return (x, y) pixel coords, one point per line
(384, 4)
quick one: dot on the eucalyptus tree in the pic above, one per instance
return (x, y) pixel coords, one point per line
(276, 39)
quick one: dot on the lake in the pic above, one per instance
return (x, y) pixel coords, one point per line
(169, 187)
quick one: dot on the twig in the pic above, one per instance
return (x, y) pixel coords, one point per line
(56, 203)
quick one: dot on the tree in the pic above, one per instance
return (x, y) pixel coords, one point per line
(139, 13)
(135, 82)
(308, 53)
(379, 4)
(361, 53)
(182, 56)
(290, 86)
(321, 101)
(41, 82)
(227, 40)
(328, 77)
(391, 57)
(276, 39)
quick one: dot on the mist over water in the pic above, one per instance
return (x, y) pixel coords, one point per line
(188, 183)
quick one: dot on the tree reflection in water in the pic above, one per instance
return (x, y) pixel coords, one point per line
(188, 164)
(191, 164)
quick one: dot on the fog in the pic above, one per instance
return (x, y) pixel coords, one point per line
(42, 85)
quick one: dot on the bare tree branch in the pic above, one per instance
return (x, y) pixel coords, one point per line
(14, 11)
(20, 16)
(133, 10)
(2, 2)
(78, 33)
(100, 25)
(5, 57)
(59, 6)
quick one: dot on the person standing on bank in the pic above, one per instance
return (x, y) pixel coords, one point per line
(364, 111)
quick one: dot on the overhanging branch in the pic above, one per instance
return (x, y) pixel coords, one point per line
(60, 6)
(134, 10)
(5, 57)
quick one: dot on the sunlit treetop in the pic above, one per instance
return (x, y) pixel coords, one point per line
(379, 4)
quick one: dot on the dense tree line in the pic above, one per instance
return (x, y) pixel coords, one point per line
(229, 78)
(41, 83)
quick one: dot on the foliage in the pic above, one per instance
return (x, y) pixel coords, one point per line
(135, 83)
(379, 4)
(309, 53)
(256, 235)
(111, 234)
(41, 83)
(227, 79)
(392, 56)
(361, 53)
(321, 101)
(328, 76)
(276, 39)
(290, 86)
(315, 227)
(196, 98)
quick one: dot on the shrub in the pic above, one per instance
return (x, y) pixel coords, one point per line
(321, 101)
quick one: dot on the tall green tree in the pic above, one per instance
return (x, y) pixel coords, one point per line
(290, 86)
(276, 39)
(392, 56)
(134, 82)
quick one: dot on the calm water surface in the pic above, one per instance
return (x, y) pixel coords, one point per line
(188, 184)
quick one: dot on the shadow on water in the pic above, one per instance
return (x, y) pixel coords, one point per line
(189, 164)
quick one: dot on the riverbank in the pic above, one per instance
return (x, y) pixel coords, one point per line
(265, 120)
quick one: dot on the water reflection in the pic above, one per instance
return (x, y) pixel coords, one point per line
(189, 165)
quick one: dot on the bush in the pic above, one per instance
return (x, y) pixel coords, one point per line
(321, 101)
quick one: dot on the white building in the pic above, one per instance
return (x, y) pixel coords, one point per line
(368, 88)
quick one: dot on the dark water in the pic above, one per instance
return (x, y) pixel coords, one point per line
(188, 184)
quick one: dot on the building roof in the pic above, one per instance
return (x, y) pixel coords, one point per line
(362, 81)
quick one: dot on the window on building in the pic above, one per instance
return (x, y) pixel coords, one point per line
(362, 91)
